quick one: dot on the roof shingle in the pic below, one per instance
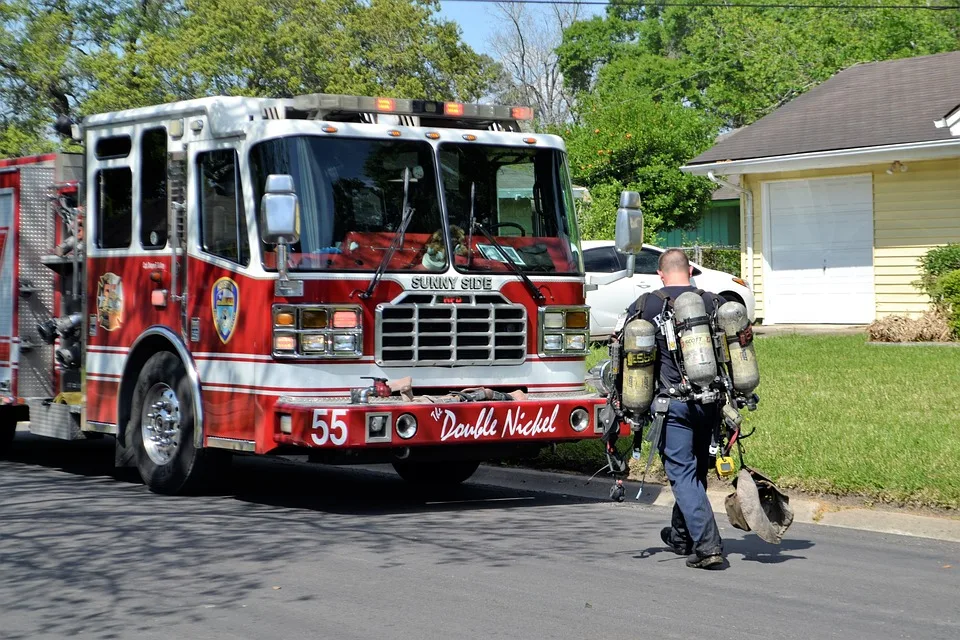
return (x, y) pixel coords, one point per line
(867, 105)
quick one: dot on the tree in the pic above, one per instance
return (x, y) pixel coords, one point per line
(526, 48)
(635, 142)
(75, 57)
(740, 63)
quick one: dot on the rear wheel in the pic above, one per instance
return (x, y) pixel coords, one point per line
(9, 416)
(436, 474)
(162, 426)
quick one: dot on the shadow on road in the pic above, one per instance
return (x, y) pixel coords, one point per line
(85, 554)
(751, 549)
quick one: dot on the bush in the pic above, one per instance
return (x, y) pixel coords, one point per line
(727, 260)
(933, 326)
(719, 258)
(948, 290)
(935, 264)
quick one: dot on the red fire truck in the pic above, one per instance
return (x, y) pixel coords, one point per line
(358, 279)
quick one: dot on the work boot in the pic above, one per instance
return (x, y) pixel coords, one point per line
(676, 544)
(711, 561)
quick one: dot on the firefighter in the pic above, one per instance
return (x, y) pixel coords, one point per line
(688, 426)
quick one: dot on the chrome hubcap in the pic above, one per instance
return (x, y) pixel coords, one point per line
(160, 423)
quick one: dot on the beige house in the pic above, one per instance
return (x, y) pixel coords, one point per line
(845, 188)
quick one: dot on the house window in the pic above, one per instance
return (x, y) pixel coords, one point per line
(223, 221)
(114, 208)
(153, 189)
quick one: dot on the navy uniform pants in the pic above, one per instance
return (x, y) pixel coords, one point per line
(685, 451)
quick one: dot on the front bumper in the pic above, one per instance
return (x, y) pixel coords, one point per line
(328, 424)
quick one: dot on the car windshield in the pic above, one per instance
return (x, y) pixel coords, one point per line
(352, 197)
(521, 196)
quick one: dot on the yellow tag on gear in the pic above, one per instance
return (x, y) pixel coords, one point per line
(725, 466)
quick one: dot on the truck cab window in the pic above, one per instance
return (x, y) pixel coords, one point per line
(223, 223)
(153, 189)
(114, 208)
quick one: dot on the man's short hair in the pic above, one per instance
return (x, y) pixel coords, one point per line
(673, 260)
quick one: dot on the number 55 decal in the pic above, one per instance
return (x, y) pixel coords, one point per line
(335, 431)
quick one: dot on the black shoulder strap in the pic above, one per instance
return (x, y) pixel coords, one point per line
(637, 306)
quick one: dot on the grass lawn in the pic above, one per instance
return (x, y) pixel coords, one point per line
(843, 417)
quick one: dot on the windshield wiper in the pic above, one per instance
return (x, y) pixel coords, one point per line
(473, 224)
(510, 263)
(397, 240)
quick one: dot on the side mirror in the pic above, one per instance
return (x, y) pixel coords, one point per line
(279, 211)
(629, 230)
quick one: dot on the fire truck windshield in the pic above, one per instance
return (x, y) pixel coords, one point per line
(351, 194)
(522, 196)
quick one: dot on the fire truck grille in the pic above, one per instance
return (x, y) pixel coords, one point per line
(431, 330)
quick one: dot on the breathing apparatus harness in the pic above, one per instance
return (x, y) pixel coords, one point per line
(715, 357)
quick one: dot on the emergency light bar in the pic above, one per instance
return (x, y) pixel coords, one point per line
(323, 104)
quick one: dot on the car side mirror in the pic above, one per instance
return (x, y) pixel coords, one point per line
(629, 229)
(279, 211)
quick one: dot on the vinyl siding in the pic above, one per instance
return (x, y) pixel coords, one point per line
(913, 212)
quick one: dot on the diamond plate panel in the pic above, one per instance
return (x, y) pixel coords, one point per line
(54, 421)
(36, 240)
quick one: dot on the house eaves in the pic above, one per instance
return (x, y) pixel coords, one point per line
(951, 121)
(912, 151)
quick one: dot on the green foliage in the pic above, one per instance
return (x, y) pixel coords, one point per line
(633, 142)
(936, 263)
(726, 260)
(948, 288)
(76, 57)
(892, 438)
(741, 64)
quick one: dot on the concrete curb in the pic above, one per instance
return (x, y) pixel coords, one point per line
(805, 510)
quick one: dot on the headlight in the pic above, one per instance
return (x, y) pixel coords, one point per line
(553, 320)
(285, 342)
(344, 343)
(564, 331)
(317, 331)
(313, 342)
(576, 342)
(553, 342)
(313, 319)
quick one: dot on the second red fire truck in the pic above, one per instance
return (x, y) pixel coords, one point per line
(361, 279)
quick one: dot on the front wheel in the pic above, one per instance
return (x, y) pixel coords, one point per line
(162, 426)
(436, 474)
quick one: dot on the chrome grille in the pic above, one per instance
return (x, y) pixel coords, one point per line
(421, 329)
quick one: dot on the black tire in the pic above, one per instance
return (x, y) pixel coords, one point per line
(6, 438)
(164, 468)
(436, 474)
(9, 416)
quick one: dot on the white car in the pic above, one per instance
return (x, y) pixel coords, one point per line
(610, 300)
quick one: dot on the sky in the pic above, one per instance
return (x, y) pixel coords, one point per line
(478, 20)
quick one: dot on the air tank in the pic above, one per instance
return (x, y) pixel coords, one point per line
(640, 355)
(733, 320)
(696, 341)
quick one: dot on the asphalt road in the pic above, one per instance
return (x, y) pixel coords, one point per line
(309, 552)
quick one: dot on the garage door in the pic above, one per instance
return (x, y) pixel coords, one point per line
(818, 251)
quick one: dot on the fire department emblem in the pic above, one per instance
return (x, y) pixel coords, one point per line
(110, 301)
(226, 307)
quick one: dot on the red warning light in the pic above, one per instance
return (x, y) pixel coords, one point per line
(453, 109)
